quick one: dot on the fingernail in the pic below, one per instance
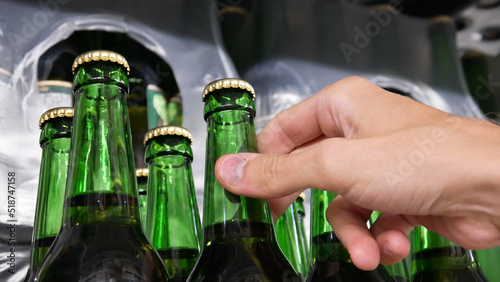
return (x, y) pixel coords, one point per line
(232, 169)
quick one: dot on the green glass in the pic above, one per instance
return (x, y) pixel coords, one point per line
(435, 258)
(477, 72)
(156, 106)
(289, 235)
(174, 111)
(300, 208)
(55, 140)
(101, 238)
(445, 67)
(330, 259)
(138, 113)
(142, 188)
(239, 242)
(173, 221)
(399, 270)
(487, 260)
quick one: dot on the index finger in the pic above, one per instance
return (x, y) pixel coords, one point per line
(352, 107)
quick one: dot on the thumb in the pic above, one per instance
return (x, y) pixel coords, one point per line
(326, 165)
(260, 175)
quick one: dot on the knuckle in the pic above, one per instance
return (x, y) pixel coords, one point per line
(348, 87)
(270, 173)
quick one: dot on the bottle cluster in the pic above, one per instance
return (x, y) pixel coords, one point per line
(101, 216)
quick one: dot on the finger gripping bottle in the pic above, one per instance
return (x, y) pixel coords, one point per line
(239, 243)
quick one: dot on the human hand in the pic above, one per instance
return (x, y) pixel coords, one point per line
(377, 151)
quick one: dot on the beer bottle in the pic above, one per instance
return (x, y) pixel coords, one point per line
(151, 85)
(238, 29)
(399, 270)
(138, 112)
(300, 208)
(435, 258)
(55, 140)
(174, 110)
(478, 77)
(289, 234)
(239, 239)
(164, 101)
(55, 82)
(488, 260)
(330, 259)
(142, 189)
(101, 238)
(54, 79)
(173, 222)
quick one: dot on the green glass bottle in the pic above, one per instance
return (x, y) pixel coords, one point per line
(155, 85)
(487, 260)
(54, 80)
(435, 258)
(150, 91)
(101, 238)
(399, 270)
(55, 140)
(173, 221)
(174, 110)
(301, 211)
(239, 242)
(477, 72)
(289, 234)
(142, 190)
(330, 259)
(157, 106)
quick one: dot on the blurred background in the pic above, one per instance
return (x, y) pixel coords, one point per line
(442, 53)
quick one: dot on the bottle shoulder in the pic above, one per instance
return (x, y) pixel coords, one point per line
(107, 251)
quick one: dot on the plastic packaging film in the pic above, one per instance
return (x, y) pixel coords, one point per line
(304, 46)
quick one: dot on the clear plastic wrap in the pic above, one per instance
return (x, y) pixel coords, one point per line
(182, 33)
(308, 45)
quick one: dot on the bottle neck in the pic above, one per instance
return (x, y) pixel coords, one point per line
(430, 251)
(289, 238)
(319, 203)
(230, 129)
(157, 107)
(172, 208)
(142, 190)
(174, 111)
(101, 179)
(55, 140)
(325, 245)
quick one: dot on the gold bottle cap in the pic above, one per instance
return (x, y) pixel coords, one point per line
(472, 54)
(142, 172)
(100, 55)
(385, 7)
(302, 196)
(442, 19)
(228, 83)
(167, 130)
(55, 113)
